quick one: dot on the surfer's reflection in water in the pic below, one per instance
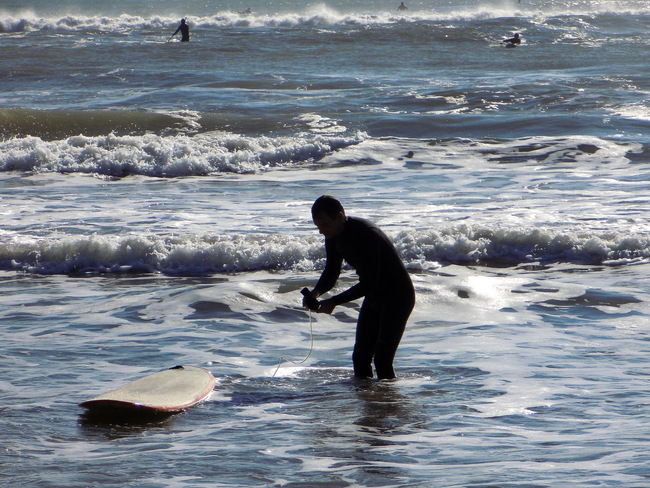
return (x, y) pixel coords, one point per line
(384, 283)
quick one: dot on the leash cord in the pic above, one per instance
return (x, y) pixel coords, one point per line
(311, 348)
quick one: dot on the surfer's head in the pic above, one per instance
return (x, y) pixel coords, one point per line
(327, 205)
(328, 215)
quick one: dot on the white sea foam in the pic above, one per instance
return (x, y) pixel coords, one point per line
(226, 254)
(153, 155)
(315, 15)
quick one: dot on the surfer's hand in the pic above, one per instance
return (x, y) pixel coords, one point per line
(311, 303)
(326, 306)
(309, 300)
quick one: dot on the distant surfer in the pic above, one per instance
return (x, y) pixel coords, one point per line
(513, 41)
(184, 30)
(248, 11)
(384, 283)
(402, 6)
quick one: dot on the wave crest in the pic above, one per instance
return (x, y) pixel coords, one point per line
(319, 15)
(166, 156)
(208, 254)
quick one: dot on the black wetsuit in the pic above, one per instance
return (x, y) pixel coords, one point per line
(386, 286)
(185, 32)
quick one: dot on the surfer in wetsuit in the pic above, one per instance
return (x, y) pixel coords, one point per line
(513, 40)
(185, 31)
(384, 283)
(402, 6)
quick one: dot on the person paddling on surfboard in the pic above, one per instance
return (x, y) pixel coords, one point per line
(384, 283)
(513, 41)
(184, 30)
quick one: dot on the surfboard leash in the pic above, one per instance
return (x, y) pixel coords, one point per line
(311, 348)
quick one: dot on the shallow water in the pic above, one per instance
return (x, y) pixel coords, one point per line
(506, 378)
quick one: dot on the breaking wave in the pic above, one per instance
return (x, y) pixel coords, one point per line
(166, 156)
(319, 15)
(209, 254)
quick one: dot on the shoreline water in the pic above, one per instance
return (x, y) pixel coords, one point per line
(521, 367)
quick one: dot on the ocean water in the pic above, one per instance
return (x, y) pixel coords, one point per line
(155, 210)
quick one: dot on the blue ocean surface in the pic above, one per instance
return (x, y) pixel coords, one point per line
(155, 210)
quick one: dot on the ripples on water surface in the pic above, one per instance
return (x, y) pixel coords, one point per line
(507, 378)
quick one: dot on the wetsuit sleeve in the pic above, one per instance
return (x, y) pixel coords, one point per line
(332, 270)
(350, 294)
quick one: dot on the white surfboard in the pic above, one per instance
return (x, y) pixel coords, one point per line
(165, 392)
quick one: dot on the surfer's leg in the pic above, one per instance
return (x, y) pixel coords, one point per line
(366, 338)
(392, 325)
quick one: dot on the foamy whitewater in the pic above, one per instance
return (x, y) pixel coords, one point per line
(155, 210)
